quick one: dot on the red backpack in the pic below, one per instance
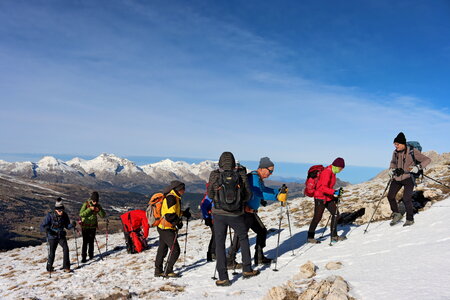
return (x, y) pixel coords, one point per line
(311, 181)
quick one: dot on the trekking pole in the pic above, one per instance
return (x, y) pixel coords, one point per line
(48, 256)
(185, 242)
(335, 221)
(278, 241)
(325, 228)
(231, 246)
(289, 222)
(170, 253)
(76, 246)
(107, 223)
(382, 196)
(436, 181)
(215, 270)
(101, 256)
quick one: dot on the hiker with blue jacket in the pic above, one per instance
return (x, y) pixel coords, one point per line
(206, 208)
(54, 224)
(260, 195)
(406, 163)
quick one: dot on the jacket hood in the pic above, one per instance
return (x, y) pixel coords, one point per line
(226, 161)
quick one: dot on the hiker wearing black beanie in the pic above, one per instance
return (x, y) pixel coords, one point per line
(406, 163)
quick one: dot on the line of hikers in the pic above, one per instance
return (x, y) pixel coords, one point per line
(232, 200)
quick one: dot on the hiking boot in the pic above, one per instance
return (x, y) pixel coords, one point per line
(232, 264)
(159, 273)
(225, 282)
(173, 275)
(260, 258)
(50, 269)
(68, 270)
(396, 218)
(83, 260)
(250, 274)
(313, 241)
(408, 223)
(336, 238)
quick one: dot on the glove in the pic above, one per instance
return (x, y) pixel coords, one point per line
(415, 169)
(180, 225)
(208, 222)
(74, 224)
(338, 192)
(391, 172)
(186, 213)
(263, 202)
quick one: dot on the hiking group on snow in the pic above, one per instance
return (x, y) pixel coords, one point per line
(231, 201)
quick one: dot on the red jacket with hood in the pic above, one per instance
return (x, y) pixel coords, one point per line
(324, 188)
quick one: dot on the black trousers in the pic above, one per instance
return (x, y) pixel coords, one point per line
(319, 207)
(253, 222)
(53, 244)
(88, 242)
(168, 240)
(408, 185)
(221, 224)
(212, 242)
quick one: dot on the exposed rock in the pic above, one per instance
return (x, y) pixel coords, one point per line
(333, 265)
(331, 288)
(308, 270)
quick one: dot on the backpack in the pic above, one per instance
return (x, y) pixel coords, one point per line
(416, 145)
(153, 211)
(228, 196)
(311, 180)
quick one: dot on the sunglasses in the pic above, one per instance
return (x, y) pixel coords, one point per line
(270, 171)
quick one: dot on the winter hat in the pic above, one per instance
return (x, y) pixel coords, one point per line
(401, 139)
(339, 162)
(94, 196)
(174, 185)
(59, 204)
(227, 161)
(265, 162)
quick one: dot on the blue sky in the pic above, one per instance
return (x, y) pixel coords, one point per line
(299, 81)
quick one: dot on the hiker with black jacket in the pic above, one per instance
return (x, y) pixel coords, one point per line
(54, 224)
(260, 195)
(325, 196)
(89, 223)
(171, 222)
(406, 163)
(230, 190)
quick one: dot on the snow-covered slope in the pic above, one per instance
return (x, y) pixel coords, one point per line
(385, 263)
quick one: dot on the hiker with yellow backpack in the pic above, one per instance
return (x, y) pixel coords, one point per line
(168, 226)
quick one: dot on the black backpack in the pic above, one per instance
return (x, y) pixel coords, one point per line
(228, 193)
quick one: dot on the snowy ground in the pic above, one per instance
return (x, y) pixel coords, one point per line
(385, 263)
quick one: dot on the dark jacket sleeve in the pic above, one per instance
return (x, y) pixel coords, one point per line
(246, 190)
(172, 217)
(67, 224)
(46, 223)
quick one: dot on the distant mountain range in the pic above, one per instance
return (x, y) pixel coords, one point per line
(109, 170)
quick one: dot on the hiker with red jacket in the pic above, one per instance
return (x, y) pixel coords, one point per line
(89, 223)
(135, 228)
(171, 222)
(325, 196)
(403, 168)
